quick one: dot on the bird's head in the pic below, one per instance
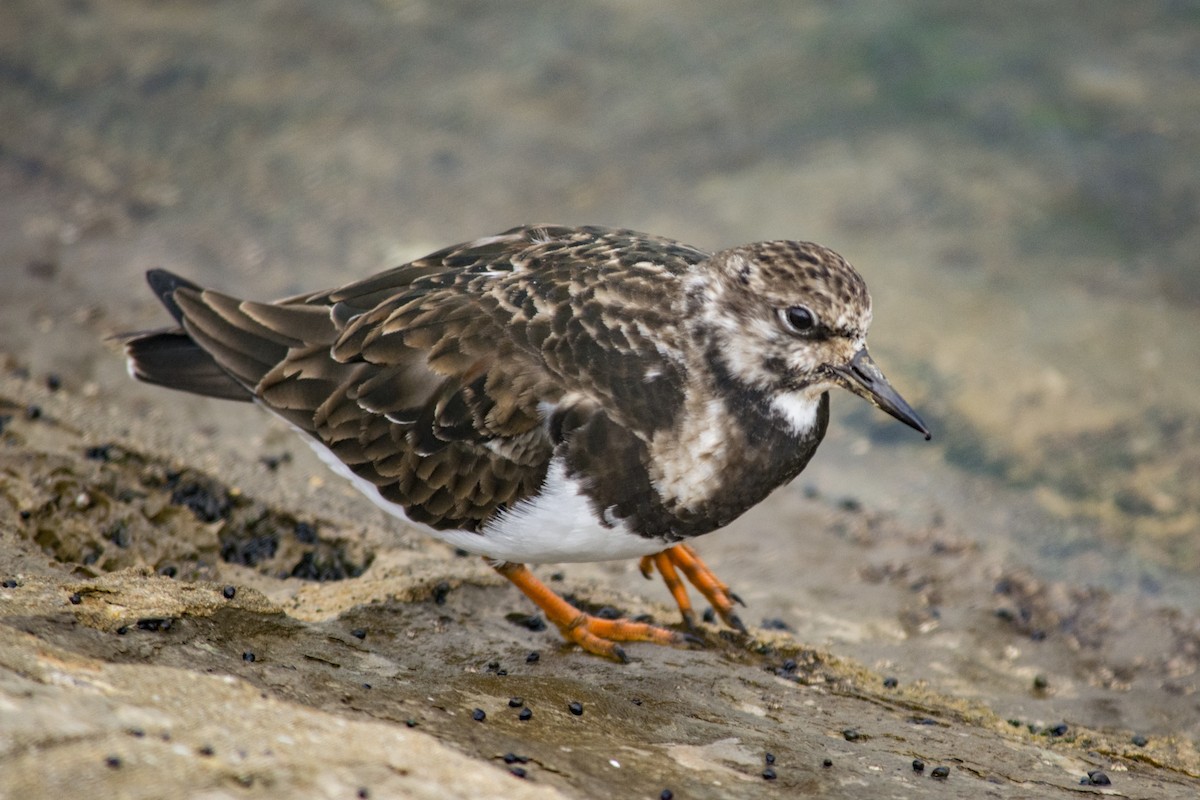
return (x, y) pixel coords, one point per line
(789, 320)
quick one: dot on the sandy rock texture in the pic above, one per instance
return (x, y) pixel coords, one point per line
(167, 634)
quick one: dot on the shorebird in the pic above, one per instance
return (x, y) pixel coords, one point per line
(551, 393)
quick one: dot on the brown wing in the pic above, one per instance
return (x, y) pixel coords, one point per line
(430, 380)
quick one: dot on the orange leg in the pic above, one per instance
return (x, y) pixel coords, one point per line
(666, 567)
(699, 575)
(595, 635)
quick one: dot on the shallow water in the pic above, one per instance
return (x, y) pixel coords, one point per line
(1017, 183)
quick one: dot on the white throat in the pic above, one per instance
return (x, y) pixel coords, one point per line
(798, 410)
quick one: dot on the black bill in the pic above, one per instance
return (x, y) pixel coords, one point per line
(862, 377)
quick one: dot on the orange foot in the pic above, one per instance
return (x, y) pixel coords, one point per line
(700, 576)
(593, 634)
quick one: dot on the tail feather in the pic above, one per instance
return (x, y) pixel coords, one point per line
(170, 358)
(224, 347)
(164, 284)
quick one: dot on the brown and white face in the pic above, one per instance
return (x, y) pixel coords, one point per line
(790, 319)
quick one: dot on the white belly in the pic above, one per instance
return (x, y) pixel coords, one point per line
(556, 525)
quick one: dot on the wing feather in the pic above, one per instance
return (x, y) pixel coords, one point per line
(430, 380)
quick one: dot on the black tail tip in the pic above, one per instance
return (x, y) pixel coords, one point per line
(164, 284)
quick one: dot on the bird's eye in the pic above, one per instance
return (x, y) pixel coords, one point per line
(798, 319)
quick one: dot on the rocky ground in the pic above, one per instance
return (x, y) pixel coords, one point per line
(170, 633)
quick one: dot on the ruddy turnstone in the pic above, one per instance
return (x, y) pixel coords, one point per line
(551, 394)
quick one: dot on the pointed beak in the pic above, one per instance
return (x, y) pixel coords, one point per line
(862, 377)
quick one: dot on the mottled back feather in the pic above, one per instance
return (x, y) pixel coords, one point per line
(431, 380)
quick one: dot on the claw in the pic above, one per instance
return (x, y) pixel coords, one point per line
(646, 565)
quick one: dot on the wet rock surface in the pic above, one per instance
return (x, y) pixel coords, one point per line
(114, 672)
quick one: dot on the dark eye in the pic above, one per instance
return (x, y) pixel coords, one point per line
(798, 319)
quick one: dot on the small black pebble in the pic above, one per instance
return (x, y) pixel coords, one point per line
(479, 715)
(206, 750)
(102, 452)
(851, 735)
(918, 765)
(532, 657)
(359, 633)
(1139, 740)
(532, 622)
(789, 665)
(1040, 682)
(827, 762)
(525, 715)
(247, 656)
(557, 577)
(769, 758)
(25, 514)
(440, 591)
(121, 631)
(154, 624)
(363, 794)
(460, 553)
(137, 733)
(575, 707)
(608, 612)
(53, 382)
(75, 599)
(709, 615)
(774, 624)
(412, 723)
(168, 571)
(33, 412)
(666, 794)
(515, 702)
(769, 774)
(366, 686)
(1058, 730)
(112, 762)
(229, 592)
(518, 771)
(1098, 778)
(637, 701)
(890, 683)
(9, 584)
(941, 773)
